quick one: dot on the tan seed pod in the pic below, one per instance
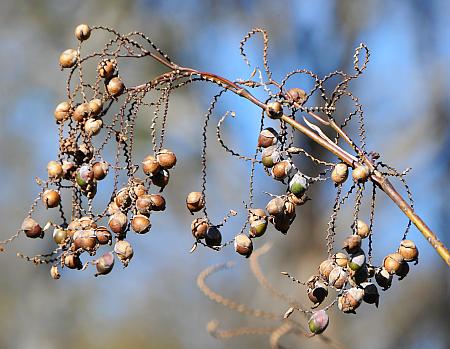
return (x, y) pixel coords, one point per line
(195, 201)
(352, 243)
(296, 95)
(408, 250)
(107, 68)
(199, 227)
(274, 110)
(140, 224)
(100, 170)
(92, 127)
(267, 137)
(54, 170)
(31, 228)
(360, 174)
(281, 170)
(340, 259)
(68, 58)
(62, 111)
(95, 107)
(337, 278)
(87, 222)
(59, 235)
(103, 236)
(51, 198)
(104, 264)
(54, 273)
(350, 300)
(362, 229)
(340, 173)
(122, 198)
(118, 222)
(393, 262)
(150, 165)
(243, 245)
(139, 188)
(166, 158)
(112, 208)
(258, 228)
(256, 214)
(144, 204)
(325, 268)
(124, 251)
(81, 112)
(73, 261)
(158, 202)
(275, 206)
(85, 239)
(115, 86)
(82, 32)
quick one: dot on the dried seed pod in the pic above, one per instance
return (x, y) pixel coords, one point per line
(150, 165)
(54, 273)
(82, 32)
(195, 201)
(243, 245)
(81, 112)
(85, 239)
(281, 170)
(408, 250)
(258, 228)
(270, 156)
(124, 251)
(274, 110)
(140, 224)
(104, 264)
(297, 201)
(362, 229)
(59, 235)
(357, 260)
(158, 202)
(144, 204)
(100, 170)
(352, 243)
(267, 137)
(282, 222)
(31, 228)
(73, 261)
(340, 173)
(161, 179)
(115, 86)
(122, 198)
(103, 236)
(318, 322)
(86, 222)
(106, 68)
(166, 158)
(340, 259)
(54, 170)
(289, 209)
(392, 262)
(69, 169)
(325, 268)
(68, 58)
(92, 127)
(139, 188)
(338, 277)
(118, 223)
(95, 107)
(256, 214)
(276, 206)
(51, 198)
(298, 184)
(360, 174)
(317, 293)
(371, 295)
(84, 153)
(296, 95)
(84, 176)
(403, 271)
(62, 112)
(350, 300)
(383, 278)
(213, 237)
(199, 227)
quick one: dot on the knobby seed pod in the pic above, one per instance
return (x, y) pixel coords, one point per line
(298, 184)
(140, 224)
(106, 68)
(59, 235)
(124, 251)
(51, 198)
(95, 107)
(115, 86)
(150, 165)
(118, 223)
(161, 179)
(92, 127)
(350, 300)
(54, 170)
(85, 239)
(393, 262)
(296, 95)
(281, 170)
(361, 173)
(267, 137)
(103, 236)
(81, 112)
(340, 173)
(408, 250)
(62, 112)
(213, 237)
(166, 158)
(338, 277)
(104, 264)
(270, 156)
(68, 58)
(352, 243)
(274, 110)
(362, 229)
(158, 202)
(318, 322)
(195, 201)
(325, 268)
(243, 245)
(31, 228)
(357, 260)
(54, 273)
(341, 259)
(73, 261)
(371, 295)
(383, 278)
(100, 170)
(199, 227)
(82, 32)
(317, 293)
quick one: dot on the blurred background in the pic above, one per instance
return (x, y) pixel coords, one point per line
(155, 303)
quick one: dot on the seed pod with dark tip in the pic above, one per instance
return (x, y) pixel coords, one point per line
(62, 112)
(325, 268)
(161, 179)
(69, 169)
(100, 170)
(403, 271)
(318, 322)
(54, 170)
(166, 158)
(281, 170)
(338, 278)
(103, 236)
(158, 202)
(267, 137)
(115, 86)
(82, 32)
(59, 235)
(118, 223)
(81, 112)
(95, 107)
(270, 156)
(54, 273)
(371, 295)
(317, 293)
(213, 237)
(140, 224)
(340, 173)
(195, 201)
(258, 228)
(352, 243)
(392, 262)
(341, 259)
(360, 174)
(72, 261)
(362, 229)
(68, 58)
(298, 184)
(104, 264)
(124, 251)
(107, 68)
(31, 228)
(408, 250)
(199, 227)
(383, 278)
(357, 260)
(51, 198)
(274, 110)
(350, 300)
(275, 206)
(359, 276)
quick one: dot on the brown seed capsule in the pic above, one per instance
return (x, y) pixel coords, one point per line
(318, 322)
(62, 111)
(68, 58)
(87, 222)
(340, 173)
(73, 261)
(161, 179)
(31, 228)
(150, 165)
(296, 95)
(371, 295)
(360, 173)
(104, 264)
(51, 198)
(122, 198)
(144, 204)
(281, 170)
(276, 206)
(199, 227)
(59, 236)
(341, 259)
(158, 202)
(82, 32)
(267, 137)
(350, 300)
(103, 236)
(213, 237)
(139, 188)
(118, 222)
(115, 86)
(258, 228)
(166, 158)
(393, 262)
(383, 278)
(337, 278)
(352, 244)
(408, 250)
(85, 239)
(362, 229)
(270, 156)
(107, 68)
(255, 214)
(325, 268)
(95, 107)
(195, 201)
(124, 251)
(54, 273)
(92, 127)
(140, 224)
(81, 112)
(243, 245)
(274, 110)
(100, 170)
(54, 170)
(317, 292)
